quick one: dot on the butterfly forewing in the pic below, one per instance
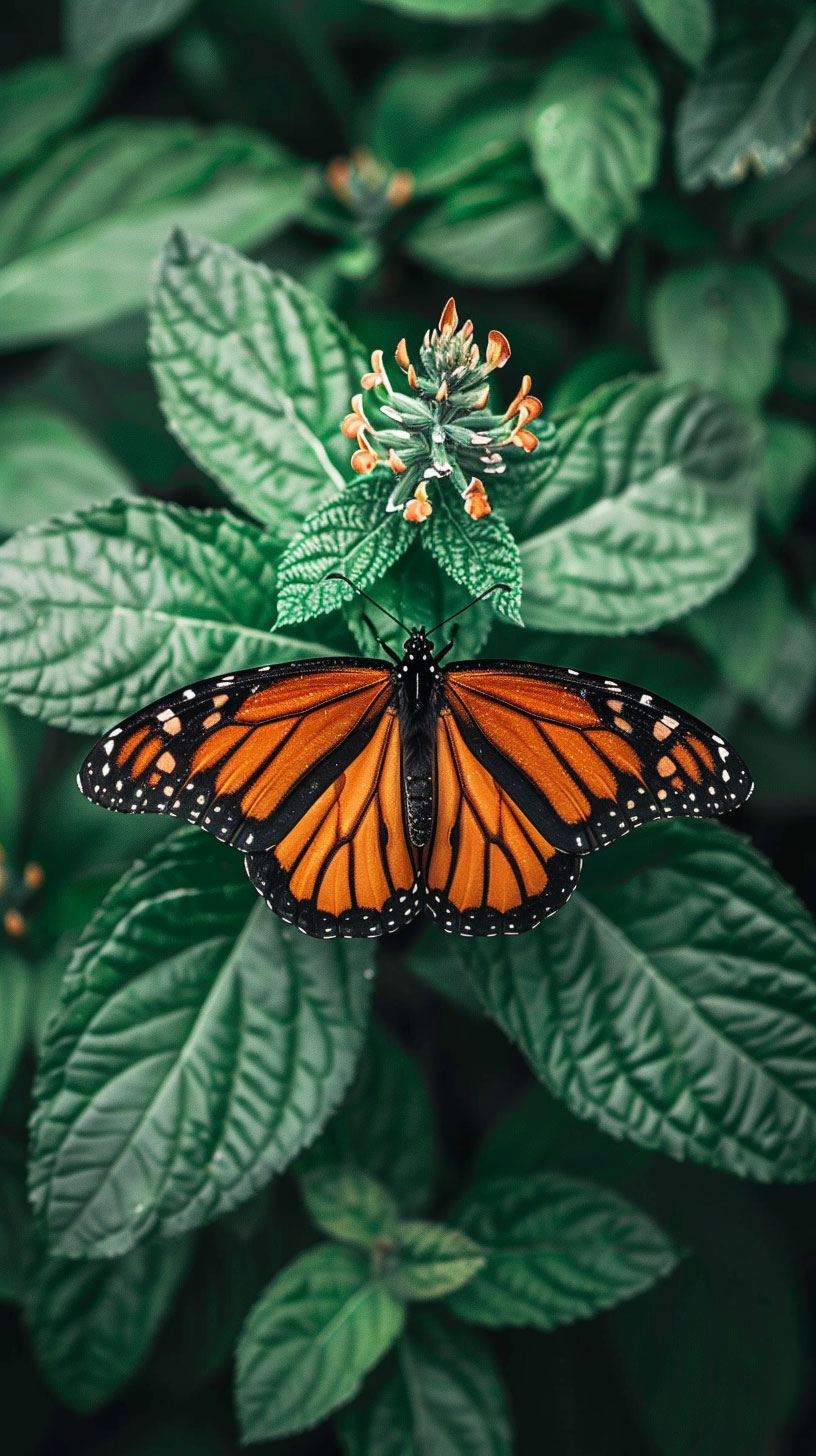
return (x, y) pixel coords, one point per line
(589, 758)
(243, 755)
(346, 867)
(488, 869)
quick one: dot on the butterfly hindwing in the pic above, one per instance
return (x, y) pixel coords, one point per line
(488, 869)
(346, 867)
(245, 754)
(590, 758)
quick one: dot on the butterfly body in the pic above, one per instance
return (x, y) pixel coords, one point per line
(362, 791)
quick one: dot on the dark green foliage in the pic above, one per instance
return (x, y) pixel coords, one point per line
(251, 1183)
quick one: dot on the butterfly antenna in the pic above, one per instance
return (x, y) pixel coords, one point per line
(497, 586)
(338, 576)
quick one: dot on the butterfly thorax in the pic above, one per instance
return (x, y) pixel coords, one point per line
(418, 686)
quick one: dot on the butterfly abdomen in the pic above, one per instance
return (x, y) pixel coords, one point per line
(418, 683)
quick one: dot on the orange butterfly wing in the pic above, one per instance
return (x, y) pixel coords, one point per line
(588, 758)
(243, 755)
(346, 866)
(488, 869)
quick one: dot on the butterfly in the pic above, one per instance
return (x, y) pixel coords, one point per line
(362, 791)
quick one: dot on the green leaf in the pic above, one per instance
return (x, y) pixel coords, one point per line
(444, 122)
(80, 232)
(431, 1260)
(754, 105)
(557, 1249)
(674, 1003)
(200, 1044)
(497, 232)
(97, 31)
(790, 460)
(648, 512)
(347, 1204)
(443, 1397)
(384, 1126)
(419, 598)
(355, 534)
(476, 554)
(685, 25)
(308, 1342)
(538, 1134)
(106, 609)
(48, 465)
(16, 1231)
(464, 11)
(254, 375)
(595, 133)
(761, 643)
(719, 326)
(788, 207)
(16, 997)
(92, 1321)
(714, 1358)
(435, 958)
(38, 101)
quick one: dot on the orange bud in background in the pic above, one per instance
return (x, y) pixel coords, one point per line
(498, 350)
(400, 189)
(33, 876)
(14, 924)
(338, 172)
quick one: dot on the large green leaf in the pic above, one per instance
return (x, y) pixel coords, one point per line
(557, 1249)
(754, 105)
(97, 31)
(108, 608)
(476, 554)
(48, 464)
(92, 1321)
(419, 598)
(79, 233)
(714, 1358)
(497, 232)
(686, 25)
(37, 102)
(442, 1397)
(444, 122)
(16, 998)
(595, 134)
(648, 512)
(674, 1002)
(255, 375)
(308, 1342)
(200, 1044)
(355, 534)
(762, 643)
(384, 1126)
(719, 325)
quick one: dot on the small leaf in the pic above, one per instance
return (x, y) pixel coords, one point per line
(476, 554)
(80, 232)
(97, 31)
(199, 1044)
(92, 1321)
(443, 1397)
(431, 1260)
(685, 25)
(106, 609)
(649, 510)
(790, 460)
(49, 465)
(754, 105)
(384, 1126)
(310, 1339)
(254, 375)
(16, 1001)
(40, 100)
(495, 232)
(673, 1002)
(348, 1205)
(595, 135)
(719, 326)
(557, 1249)
(354, 534)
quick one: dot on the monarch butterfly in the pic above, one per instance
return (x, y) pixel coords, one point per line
(362, 790)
